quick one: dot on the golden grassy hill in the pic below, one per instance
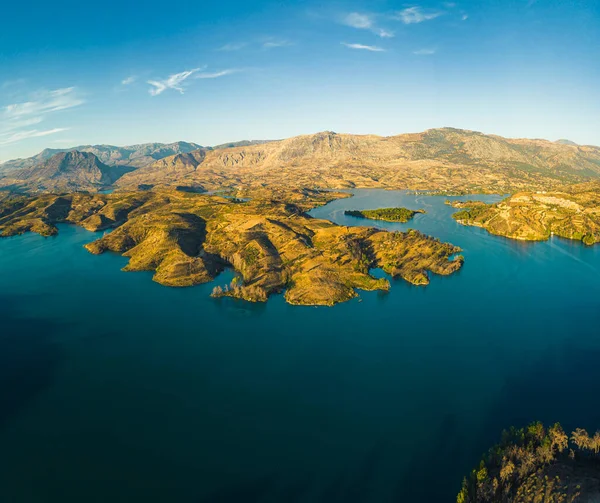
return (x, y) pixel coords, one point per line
(187, 239)
(572, 212)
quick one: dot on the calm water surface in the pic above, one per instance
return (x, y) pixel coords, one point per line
(113, 388)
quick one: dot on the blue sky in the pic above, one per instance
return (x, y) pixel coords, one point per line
(125, 72)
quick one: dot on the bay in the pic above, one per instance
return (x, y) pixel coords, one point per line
(114, 388)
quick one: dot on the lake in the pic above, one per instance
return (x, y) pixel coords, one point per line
(114, 388)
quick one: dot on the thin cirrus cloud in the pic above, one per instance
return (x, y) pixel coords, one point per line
(129, 80)
(269, 43)
(424, 52)
(176, 81)
(233, 47)
(416, 15)
(216, 75)
(362, 21)
(361, 47)
(274, 44)
(6, 139)
(44, 102)
(17, 120)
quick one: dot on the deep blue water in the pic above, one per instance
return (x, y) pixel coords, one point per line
(113, 388)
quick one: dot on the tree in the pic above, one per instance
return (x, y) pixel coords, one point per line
(594, 443)
(545, 452)
(508, 468)
(536, 430)
(559, 439)
(581, 438)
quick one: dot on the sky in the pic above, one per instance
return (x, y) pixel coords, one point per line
(124, 72)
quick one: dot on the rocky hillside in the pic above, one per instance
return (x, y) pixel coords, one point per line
(132, 155)
(573, 212)
(187, 239)
(64, 172)
(440, 159)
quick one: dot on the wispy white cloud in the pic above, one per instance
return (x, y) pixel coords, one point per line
(362, 21)
(45, 102)
(273, 44)
(12, 83)
(383, 33)
(6, 139)
(464, 17)
(233, 47)
(372, 48)
(424, 52)
(216, 75)
(129, 80)
(415, 15)
(357, 20)
(17, 119)
(174, 82)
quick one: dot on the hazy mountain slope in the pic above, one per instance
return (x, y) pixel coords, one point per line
(439, 159)
(132, 155)
(64, 172)
(243, 143)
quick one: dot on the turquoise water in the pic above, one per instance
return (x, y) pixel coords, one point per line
(113, 388)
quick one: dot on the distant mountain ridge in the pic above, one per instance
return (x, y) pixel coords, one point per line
(66, 172)
(445, 159)
(130, 155)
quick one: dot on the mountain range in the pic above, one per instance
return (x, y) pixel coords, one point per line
(446, 159)
(439, 159)
(67, 172)
(131, 155)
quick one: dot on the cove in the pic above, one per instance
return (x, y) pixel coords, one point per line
(114, 388)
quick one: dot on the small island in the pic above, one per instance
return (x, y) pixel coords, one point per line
(401, 215)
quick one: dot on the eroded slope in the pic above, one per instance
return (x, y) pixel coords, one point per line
(187, 239)
(446, 159)
(572, 212)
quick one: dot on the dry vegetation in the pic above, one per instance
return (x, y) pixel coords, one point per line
(572, 213)
(537, 465)
(187, 239)
(447, 160)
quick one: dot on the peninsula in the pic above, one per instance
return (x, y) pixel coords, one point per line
(187, 239)
(571, 212)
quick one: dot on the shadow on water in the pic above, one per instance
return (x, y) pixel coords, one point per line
(355, 484)
(562, 385)
(253, 491)
(434, 463)
(28, 359)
